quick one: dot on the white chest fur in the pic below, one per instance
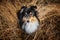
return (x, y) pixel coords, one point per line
(30, 27)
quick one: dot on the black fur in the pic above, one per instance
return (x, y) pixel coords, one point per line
(21, 13)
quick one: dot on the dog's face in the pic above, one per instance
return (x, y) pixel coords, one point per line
(29, 18)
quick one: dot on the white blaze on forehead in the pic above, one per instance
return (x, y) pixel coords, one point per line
(26, 13)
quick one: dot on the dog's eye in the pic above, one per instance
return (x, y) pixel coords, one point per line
(30, 13)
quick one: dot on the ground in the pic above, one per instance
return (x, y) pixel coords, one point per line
(48, 13)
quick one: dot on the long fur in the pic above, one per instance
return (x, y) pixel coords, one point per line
(28, 27)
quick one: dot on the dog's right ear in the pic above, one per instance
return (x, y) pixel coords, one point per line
(23, 8)
(20, 12)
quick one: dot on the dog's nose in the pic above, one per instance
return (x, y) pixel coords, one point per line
(27, 20)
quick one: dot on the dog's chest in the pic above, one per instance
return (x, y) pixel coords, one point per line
(30, 27)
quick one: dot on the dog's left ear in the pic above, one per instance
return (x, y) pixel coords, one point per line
(33, 7)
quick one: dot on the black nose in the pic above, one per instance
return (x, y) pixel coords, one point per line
(27, 20)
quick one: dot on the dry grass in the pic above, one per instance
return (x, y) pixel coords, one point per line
(49, 15)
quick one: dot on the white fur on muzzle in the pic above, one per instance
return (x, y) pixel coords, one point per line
(30, 27)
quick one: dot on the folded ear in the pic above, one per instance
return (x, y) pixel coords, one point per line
(23, 8)
(33, 10)
(20, 13)
(33, 7)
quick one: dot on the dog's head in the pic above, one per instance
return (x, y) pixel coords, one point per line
(28, 19)
(27, 15)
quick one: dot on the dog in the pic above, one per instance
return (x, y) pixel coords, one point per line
(28, 19)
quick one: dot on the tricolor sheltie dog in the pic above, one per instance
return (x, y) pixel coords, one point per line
(28, 19)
